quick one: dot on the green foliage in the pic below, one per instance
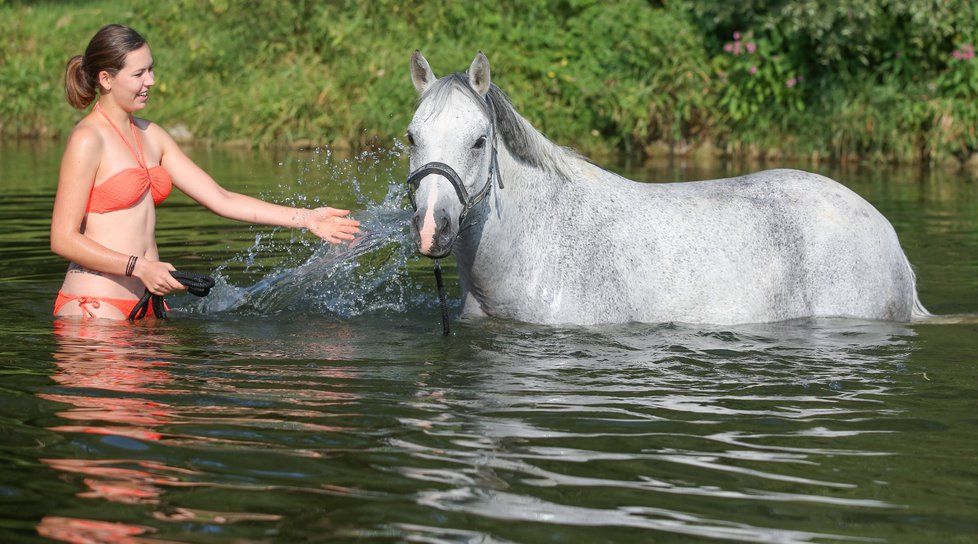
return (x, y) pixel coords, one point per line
(850, 37)
(757, 77)
(958, 109)
(874, 78)
(879, 76)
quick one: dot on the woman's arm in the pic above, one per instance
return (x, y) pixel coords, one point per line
(329, 224)
(78, 168)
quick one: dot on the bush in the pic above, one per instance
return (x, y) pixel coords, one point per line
(876, 78)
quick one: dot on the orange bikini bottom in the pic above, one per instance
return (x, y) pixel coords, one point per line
(124, 305)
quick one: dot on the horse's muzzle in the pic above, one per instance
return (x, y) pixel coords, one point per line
(435, 236)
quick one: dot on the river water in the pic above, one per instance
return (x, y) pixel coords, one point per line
(311, 398)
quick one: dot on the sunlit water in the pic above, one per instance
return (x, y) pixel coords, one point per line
(311, 397)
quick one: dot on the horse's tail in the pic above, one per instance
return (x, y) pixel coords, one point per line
(918, 312)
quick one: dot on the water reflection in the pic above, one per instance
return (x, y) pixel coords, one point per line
(96, 356)
(656, 422)
(775, 432)
(112, 376)
(85, 531)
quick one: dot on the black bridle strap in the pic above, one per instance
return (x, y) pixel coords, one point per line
(449, 173)
(445, 331)
(443, 170)
(196, 284)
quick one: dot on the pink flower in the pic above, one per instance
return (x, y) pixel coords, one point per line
(732, 47)
(736, 36)
(751, 47)
(966, 52)
(753, 70)
(791, 83)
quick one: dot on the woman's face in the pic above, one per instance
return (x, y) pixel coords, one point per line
(130, 86)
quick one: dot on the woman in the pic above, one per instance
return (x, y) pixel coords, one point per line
(117, 168)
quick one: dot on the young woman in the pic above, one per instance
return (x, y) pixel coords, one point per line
(117, 168)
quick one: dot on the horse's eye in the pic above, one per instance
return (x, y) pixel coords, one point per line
(410, 138)
(480, 143)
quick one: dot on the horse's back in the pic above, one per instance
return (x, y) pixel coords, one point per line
(767, 246)
(853, 263)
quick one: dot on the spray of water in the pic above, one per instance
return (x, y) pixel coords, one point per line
(368, 275)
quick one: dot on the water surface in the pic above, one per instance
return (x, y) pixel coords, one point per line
(311, 398)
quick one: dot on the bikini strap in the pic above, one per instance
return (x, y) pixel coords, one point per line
(140, 158)
(83, 303)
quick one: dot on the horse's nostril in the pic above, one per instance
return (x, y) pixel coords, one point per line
(416, 222)
(443, 224)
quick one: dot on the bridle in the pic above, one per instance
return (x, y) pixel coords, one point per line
(449, 173)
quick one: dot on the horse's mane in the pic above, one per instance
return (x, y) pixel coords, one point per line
(522, 140)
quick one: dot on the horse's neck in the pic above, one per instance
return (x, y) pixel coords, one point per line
(527, 194)
(501, 233)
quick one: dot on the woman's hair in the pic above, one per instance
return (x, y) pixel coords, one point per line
(107, 51)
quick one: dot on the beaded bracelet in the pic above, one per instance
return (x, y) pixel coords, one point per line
(131, 266)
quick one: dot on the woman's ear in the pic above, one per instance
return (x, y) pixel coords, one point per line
(105, 80)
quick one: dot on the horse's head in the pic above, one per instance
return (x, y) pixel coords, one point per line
(452, 139)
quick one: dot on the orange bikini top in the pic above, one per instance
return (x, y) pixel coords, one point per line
(124, 189)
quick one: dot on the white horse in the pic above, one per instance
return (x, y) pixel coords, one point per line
(542, 235)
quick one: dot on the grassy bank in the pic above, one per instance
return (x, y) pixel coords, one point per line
(878, 79)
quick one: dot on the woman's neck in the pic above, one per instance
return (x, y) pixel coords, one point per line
(115, 114)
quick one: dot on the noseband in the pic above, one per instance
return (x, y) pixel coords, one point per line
(449, 173)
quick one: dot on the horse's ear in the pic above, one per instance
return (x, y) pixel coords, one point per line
(421, 73)
(479, 74)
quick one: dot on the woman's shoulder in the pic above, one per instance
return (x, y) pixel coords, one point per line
(85, 135)
(83, 149)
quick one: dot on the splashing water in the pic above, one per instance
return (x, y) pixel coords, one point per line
(368, 275)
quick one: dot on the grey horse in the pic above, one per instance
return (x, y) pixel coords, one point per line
(542, 235)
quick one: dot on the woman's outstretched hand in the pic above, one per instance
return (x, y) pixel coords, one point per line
(155, 275)
(331, 224)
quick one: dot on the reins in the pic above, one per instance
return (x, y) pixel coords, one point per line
(197, 284)
(442, 299)
(449, 173)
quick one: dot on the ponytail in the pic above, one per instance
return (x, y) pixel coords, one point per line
(79, 88)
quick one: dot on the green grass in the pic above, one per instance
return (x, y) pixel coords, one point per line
(624, 77)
